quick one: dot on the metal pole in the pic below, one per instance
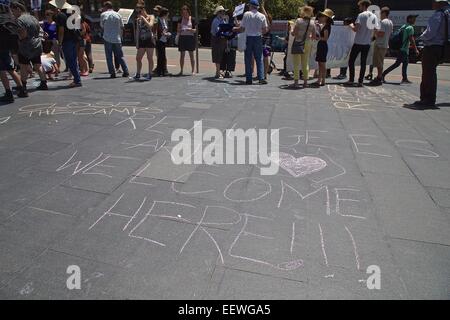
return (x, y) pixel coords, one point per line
(196, 36)
(326, 4)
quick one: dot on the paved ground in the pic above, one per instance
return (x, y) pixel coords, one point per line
(86, 180)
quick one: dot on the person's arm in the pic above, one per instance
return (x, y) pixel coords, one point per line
(357, 25)
(194, 26)
(413, 41)
(265, 28)
(60, 34)
(149, 21)
(295, 31)
(326, 35)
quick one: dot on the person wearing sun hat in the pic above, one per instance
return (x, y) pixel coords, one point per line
(218, 45)
(67, 39)
(304, 29)
(254, 24)
(324, 22)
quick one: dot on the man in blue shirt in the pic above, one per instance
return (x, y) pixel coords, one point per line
(434, 41)
(112, 25)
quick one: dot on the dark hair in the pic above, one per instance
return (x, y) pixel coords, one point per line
(163, 12)
(19, 5)
(108, 5)
(348, 21)
(386, 10)
(47, 47)
(366, 3)
(187, 8)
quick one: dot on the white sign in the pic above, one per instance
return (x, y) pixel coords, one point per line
(126, 15)
(239, 10)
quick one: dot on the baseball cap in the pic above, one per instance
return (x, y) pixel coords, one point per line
(254, 3)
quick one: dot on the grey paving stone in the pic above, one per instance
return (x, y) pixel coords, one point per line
(423, 268)
(440, 196)
(409, 213)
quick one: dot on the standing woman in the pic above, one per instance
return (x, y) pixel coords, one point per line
(325, 22)
(163, 35)
(218, 44)
(145, 43)
(51, 30)
(81, 48)
(186, 32)
(88, 43)
(304, 31)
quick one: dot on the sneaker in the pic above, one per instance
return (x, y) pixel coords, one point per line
(137, 77)
(148, 77)
(125, 75)
(249, 82)
(406, 81)
(113, 76)
(360, 84)
(8, 97)
(263, 82)
(118, 71)
(42, 86)
(228, 75)
(376, 82)
(369, 77)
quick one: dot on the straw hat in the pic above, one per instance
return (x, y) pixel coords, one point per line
(327, 13)
(306, 12)
(218, 9)
(60, 4)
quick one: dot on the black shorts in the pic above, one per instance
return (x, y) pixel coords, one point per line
(6, 62)
(25, 60)
(322, 51)
(146, 44)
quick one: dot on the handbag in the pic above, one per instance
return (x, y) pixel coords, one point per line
(298, 47)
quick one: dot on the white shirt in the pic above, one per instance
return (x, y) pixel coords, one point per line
(253, 22)
(387, 27)
(364, 34)
(112, 25)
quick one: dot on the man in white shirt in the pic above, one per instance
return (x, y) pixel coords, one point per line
(382, 44)
(363, 38)
(254, 24)
(112, 25)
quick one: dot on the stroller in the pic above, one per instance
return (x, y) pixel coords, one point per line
(269, 52)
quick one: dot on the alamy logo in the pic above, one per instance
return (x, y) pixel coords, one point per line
(74, 20)
(230, 148)
(374, 280)
(74, 280)
(373, 23)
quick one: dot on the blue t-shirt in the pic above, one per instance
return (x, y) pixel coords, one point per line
(50, 29)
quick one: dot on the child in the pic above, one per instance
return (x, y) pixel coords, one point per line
(48, 61)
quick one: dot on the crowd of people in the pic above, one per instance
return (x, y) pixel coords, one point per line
(41, 46)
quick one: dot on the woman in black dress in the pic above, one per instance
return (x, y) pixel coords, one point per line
(325, 20)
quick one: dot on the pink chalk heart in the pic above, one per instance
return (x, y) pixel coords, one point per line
(300, 167)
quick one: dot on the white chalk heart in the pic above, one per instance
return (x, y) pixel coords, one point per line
(300, 167)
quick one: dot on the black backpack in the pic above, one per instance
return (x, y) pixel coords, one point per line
(396, 39)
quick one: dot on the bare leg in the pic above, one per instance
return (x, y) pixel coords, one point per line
(150, 60)
(191, 55)
(182, 55)
(139, 55)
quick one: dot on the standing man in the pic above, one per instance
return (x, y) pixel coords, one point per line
(30, 44)
(403, 54)
(362, 42)
(68, 38)
(7, 40)
(382, 44)
(435, 37)
(112, 25)
(254, 24)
